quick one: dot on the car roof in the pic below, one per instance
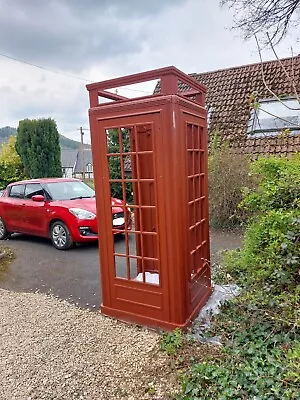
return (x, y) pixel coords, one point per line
(45, 180)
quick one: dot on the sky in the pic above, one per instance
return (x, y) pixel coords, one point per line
(101, 39)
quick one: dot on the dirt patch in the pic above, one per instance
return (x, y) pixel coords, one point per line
(6, 257)
(192, 352)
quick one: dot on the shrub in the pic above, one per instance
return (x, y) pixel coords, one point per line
(11, 168)
(171, 341)
(228, 173)
(257, 362)
(260, 328)
(278, 185)
(269, 262)
(38, 146)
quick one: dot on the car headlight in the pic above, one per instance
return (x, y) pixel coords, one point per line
(82, 214)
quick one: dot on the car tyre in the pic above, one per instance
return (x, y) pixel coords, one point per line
(3, 231)
(60, 236)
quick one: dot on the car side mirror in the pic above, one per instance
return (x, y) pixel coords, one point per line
(38, 197)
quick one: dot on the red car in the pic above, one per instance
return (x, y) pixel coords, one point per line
(60, 208)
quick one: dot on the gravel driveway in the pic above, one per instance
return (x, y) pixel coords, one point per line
(53, 350)
(50, 349)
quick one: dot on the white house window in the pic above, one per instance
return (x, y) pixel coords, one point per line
(273, 117)
(210, 111)
(89, 167)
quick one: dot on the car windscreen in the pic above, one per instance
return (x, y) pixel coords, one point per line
(68, 190)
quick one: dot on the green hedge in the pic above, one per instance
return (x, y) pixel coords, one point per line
(260, 358)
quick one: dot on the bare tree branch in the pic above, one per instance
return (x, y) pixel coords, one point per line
(265, 83)
(254, 17)
(284, 70)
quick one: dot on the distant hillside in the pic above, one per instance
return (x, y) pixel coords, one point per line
(6, 132)
(65, 143)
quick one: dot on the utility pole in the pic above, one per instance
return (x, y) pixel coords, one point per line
(82, 153)
(81, 129)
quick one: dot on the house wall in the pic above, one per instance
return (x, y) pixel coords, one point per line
(87, 175)
(67, 172)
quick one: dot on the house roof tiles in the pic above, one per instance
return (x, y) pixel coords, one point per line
(68, 158)
(228, 91)
(87, 159)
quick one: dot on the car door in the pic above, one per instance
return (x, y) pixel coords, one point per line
(35, 212)
(14, 209)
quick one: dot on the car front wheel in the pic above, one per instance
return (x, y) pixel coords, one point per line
(3, 231)
(60, 236)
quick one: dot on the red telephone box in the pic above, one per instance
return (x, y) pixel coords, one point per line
(159, 274)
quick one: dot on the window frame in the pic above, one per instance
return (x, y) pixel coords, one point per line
(16, 197)
(89, 168)
(210, 114)
(34, 183)
(256, 132)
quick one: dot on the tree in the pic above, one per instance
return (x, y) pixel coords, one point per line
(11, 167)
(113, 146)
(275, 17)
(38, 146)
